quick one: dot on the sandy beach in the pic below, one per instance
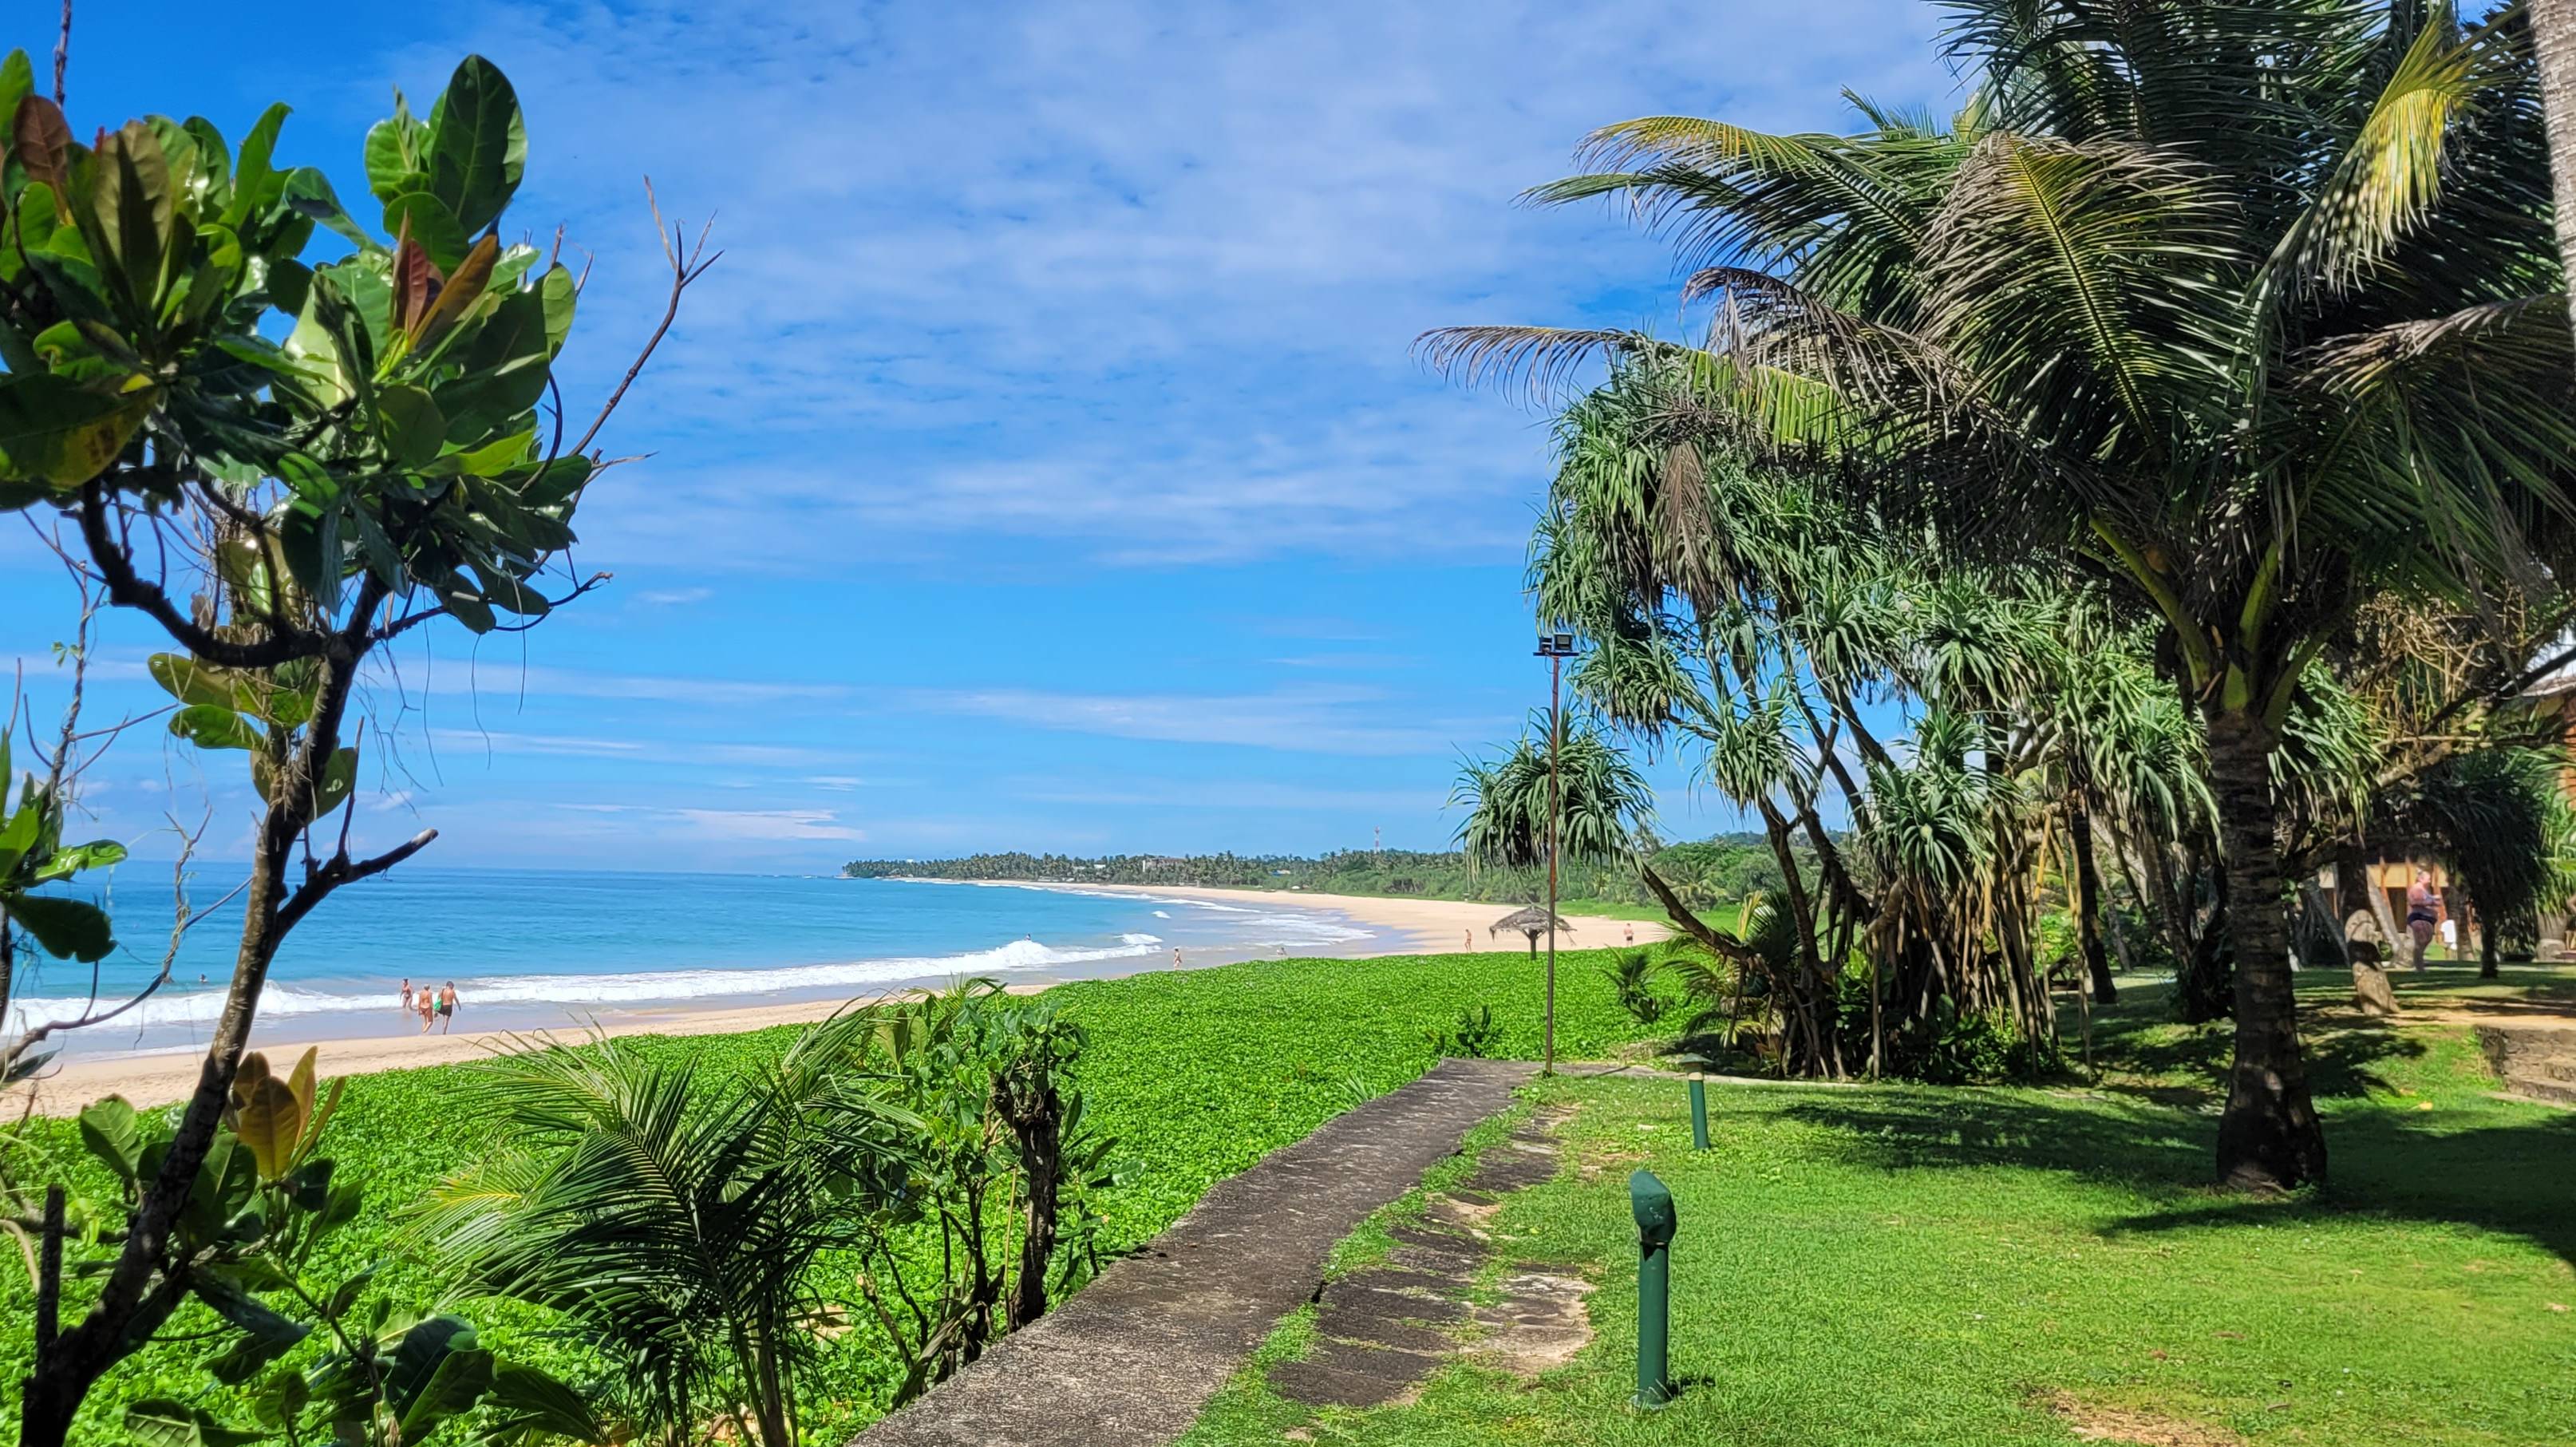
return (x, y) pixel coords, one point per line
(1410, 926)
(1429, 926)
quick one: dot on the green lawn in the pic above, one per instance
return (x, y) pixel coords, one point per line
(1894, 1265)
(1839, 1247)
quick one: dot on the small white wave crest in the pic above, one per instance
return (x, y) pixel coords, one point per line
(199, 1007)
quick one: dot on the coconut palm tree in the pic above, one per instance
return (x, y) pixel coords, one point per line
(1572, 786)
(2553, 37)
(2252, 308)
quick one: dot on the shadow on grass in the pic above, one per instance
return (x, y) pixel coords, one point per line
(2510, 1178)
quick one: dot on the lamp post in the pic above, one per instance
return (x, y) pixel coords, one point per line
(1555, 648)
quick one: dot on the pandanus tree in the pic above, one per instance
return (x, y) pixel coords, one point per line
(2253, 308)
(283, 464)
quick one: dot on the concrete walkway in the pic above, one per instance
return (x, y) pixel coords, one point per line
(1134, 1356)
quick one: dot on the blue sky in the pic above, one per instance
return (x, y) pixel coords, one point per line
(1043, 466)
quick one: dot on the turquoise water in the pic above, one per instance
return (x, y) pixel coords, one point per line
(532, 949)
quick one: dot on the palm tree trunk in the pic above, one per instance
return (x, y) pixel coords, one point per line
(2553, 37)
(2269, 1136)
(2088, 904)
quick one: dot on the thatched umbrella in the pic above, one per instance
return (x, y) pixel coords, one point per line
(1532, 922)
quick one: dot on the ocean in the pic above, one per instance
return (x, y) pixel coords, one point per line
(545, 949)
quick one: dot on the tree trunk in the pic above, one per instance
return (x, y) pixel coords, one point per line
(2088, 904)
(2553, 38)
(2269, 1136)
(2204, 980)
(140, 1292)
(1036, 1112)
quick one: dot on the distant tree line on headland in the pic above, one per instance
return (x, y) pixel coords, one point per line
(1707, 873)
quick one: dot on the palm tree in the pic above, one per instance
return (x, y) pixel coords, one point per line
(1601, 805)
(674, 1218)
(2553, 36)
(2251, 308)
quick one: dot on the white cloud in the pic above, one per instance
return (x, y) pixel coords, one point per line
(1138, 274)
(1307, 720)
(1233, 794)
(768, 824)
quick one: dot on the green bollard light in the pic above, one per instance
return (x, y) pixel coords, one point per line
(1652, 1203)
(1699, 1111)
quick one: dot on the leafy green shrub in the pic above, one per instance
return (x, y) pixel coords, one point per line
(1966, 1048)
(1632, 976)
(1471, 1038)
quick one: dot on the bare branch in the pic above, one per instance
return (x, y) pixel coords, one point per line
(686, 266)
(107, 553)
(62, 53)
(341, 870)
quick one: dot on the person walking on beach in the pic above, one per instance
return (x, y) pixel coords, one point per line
(446, 1006)
(428, 1004)
(1630, 932)
(2424, 911)
(1471, 942)
(1176, 957)
(406, 995)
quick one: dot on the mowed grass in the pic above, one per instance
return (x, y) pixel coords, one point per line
(1889, 1265)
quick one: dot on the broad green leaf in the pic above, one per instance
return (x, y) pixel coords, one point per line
(495, 457)
(558, 291)
(459, 1381)
(309, 192)
(68, 929)
(161, 1422)
(313, 349)
(529, 1400)
(465, 604)
(189, 681)
(218, 1290)
(309, 535)
(282, 1400)
(416, 1358)
(135, 211)
(17, 832)
(256, 183)
(479, 147)
(433, 227)
(413, 429)
(379, 549)
(56, 432)
(211, 185)
(394, 162)
(112, 1131)
(339, 777)
(559, 484)
(179, 155)
(502, 590)
(64, 863)
(17, 82)
(211, 727)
